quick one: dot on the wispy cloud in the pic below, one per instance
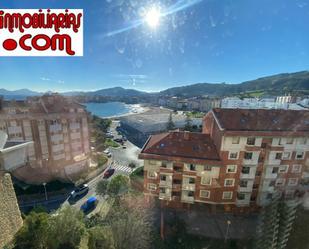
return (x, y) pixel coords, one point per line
(49, 79)
(131, 76)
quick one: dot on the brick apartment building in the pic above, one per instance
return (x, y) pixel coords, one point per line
(239, 161)
(59, 129)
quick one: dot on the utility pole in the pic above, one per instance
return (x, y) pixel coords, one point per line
(44, 184)
(227, 230)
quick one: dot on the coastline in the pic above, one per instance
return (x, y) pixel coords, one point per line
(134, 109)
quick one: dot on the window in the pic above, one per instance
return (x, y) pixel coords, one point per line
(191, 194)
(289, 140)
(164, 164)
(241, 196)
(286, 155)
(299, 155)
(235, 140)
(278, 156)
(229, 182)
(293, 181)
(233, 155)
(231, 168)
(163, 177)
(227, 195)
(296, 168)
(280, 182)
(191, 180)
(283, 168)
(243, 183)
(245, 170)
(206, 180)
(176, 181)
(248, 155)
(207, 168)
(302, 140)
(205, 193)
(152, 186)
(275, 170)
(251, 141)
(162, 190)
(192, 167)
(152, 174)
(272, 183)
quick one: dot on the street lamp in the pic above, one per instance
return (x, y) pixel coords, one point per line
(44, 184)
(227, 229)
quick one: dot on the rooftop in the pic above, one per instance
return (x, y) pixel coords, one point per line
(262, 119)
(182, 144)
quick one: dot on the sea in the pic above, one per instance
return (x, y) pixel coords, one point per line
(109, 109)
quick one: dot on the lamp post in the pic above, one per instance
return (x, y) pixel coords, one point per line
(227, 230)
(44, 184)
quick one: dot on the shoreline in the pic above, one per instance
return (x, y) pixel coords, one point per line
(134, 109)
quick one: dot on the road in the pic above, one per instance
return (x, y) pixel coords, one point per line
(121, 158)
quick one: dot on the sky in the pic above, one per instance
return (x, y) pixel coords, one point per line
(195, 41)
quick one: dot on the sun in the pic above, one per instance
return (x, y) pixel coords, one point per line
(152, 17)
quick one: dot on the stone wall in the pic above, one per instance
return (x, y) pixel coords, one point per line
(10, 216)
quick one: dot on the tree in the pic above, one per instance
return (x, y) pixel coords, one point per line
(101, 188)
(132, 165)
(188, 124)
(100, 237)
(170, 124)
(66, 228)
(130, 223)
(118, 185)
(33, 234)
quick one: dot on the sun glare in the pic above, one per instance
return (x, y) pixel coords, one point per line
(152, 17)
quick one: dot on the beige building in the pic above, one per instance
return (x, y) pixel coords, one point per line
(239, 162)
(59, 129)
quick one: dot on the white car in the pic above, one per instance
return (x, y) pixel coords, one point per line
(80, 190)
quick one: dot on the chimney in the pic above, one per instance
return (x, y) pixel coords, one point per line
(186, 135)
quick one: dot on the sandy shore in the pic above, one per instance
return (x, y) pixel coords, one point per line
(134, 109)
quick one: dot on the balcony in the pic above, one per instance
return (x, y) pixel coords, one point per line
(55, 127)
(74, 126)
(187, 199)
(242, 203)
(176, 187)
(165, 196)
(165, 183)
(188, 187)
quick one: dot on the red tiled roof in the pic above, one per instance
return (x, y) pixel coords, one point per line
(182, 144)
(262, 120)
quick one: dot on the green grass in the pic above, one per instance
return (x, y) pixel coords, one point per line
(195, 114)
(111, 143)
(101, 160)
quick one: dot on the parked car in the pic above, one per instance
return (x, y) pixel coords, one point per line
(124, 147)
(108, 153)
(89, 205)
(108, 173)
(80, 190)
(118, 140)
(109, 135)
(124, 138)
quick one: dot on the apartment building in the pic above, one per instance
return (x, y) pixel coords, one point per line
(240, 160)
(59, 129)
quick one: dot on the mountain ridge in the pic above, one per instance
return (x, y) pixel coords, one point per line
(276, 84)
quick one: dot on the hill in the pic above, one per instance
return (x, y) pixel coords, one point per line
(272, 85)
